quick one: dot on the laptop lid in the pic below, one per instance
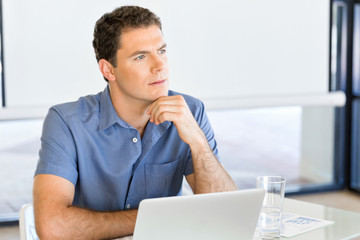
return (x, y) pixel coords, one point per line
(226, 216)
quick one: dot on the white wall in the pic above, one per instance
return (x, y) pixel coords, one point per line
(217, 49)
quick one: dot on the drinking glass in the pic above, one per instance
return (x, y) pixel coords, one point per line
(269, 223)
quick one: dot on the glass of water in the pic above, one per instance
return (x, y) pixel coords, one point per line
(269, 224)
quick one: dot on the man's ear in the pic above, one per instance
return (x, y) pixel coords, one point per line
(107, 69)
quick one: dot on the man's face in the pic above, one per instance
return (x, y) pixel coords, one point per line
(142, 65)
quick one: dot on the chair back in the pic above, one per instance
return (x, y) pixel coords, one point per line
(27, 223)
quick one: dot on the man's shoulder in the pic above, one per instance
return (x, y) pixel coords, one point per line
(190, 100)
(84, 106)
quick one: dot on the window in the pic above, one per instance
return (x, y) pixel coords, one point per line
(20, 143)
(294, 142)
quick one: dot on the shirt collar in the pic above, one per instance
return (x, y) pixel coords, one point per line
(108, 115)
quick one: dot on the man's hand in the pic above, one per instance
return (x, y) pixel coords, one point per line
(176, 110)
(209, 175)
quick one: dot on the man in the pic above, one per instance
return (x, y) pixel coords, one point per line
(103, 154)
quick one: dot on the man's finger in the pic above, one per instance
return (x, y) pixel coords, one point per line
(171, 100)
(159, 109)
(169, 116)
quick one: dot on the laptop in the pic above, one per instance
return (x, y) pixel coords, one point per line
(213, 216)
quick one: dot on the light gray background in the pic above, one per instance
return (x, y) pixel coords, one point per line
(217, 49)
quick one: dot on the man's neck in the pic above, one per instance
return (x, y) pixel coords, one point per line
(131, 111)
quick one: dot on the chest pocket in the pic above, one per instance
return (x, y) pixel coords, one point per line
(162, 180)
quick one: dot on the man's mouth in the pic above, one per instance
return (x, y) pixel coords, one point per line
(159, 82)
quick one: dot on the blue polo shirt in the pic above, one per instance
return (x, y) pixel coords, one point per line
(110, 165)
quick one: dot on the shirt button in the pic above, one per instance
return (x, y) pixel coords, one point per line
(128, 206)
(134, 140)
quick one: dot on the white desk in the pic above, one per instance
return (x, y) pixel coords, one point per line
(346, 226)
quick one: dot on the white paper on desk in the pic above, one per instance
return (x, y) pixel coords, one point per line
(293, 224)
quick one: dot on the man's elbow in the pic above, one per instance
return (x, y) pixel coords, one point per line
(43, 233)
(48, 229)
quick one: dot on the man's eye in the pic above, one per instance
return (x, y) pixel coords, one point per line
(140, 57)
(162, 51)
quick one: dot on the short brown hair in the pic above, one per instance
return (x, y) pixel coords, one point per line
(109, 27)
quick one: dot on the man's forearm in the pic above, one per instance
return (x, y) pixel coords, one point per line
(209, 174)
(79, 223)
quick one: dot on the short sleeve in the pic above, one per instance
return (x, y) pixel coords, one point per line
(57, 155)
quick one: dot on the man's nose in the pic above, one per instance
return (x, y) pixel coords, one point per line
(159, 63)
